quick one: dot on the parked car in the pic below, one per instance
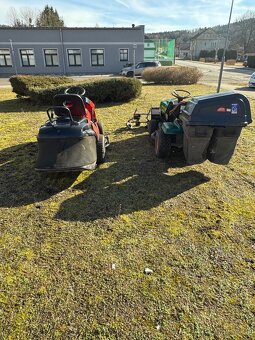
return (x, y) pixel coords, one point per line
(252, 80)
(129, 71)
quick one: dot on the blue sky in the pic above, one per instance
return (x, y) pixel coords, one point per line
(156, 15)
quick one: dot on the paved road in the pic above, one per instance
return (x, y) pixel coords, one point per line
(234, 77)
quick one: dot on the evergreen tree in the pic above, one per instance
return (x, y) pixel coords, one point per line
(49, 18)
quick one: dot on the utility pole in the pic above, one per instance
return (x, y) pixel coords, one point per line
(224, 51)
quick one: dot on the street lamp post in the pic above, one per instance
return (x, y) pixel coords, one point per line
(224, 51)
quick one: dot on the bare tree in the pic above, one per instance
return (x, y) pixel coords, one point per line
(245, 31)
(13, 17)
(24, 17)
(29, 15)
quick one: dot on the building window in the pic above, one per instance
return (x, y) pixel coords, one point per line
(74, 57)
(27, 57)
(5, 57)
(123, 54)
(51, 57)
(97, 57)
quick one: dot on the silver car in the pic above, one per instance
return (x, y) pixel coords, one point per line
(252, 80)
(139, 68)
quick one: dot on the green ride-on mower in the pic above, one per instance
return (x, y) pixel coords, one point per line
(205, 127)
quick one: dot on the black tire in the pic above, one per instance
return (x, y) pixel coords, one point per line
(101, 150)
(152, 126)
(162, 144)
(100, 127)
(130, 74)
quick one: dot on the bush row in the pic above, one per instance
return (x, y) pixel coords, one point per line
(100, 91)
(172, 75)
(230, 54)
(166, 62)
(23, 83)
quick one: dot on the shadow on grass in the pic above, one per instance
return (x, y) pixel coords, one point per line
(20, 105)
(25, 104)
(21, 184)
(245, 88)
(241, 69)
(134, 131)
(135, 180)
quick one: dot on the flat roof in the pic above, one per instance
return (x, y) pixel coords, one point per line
(139, 27)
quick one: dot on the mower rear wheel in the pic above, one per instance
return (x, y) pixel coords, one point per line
(101, 150)
(100, 127)
(162, 144)
(152, 126)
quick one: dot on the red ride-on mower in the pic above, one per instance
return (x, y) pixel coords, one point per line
(205, 127)
(72, 139)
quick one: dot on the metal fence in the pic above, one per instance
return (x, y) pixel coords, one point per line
(159, 49)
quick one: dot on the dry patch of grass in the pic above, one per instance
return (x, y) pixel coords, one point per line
(73, 248)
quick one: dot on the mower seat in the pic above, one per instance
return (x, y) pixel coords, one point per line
(173, 110)
(90, 106)
(74, 103)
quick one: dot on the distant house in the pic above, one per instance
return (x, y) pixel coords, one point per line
(149, 49)
(183, 51)
(208, 40)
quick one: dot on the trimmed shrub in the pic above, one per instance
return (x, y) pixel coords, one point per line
(166, 62)
(207, 54)
(251, 61)
(203, 54)
(220, 53)
(22, 83)
(210, 60)
(230, 54)
(99, 91)
(172, 75)
(231, 62)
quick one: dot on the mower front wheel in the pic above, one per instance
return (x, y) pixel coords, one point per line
(152, 126)
(162, 144)
(101, 150)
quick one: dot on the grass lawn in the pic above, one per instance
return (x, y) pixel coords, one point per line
(73, 248)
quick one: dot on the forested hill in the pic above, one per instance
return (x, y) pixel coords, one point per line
(241, 36)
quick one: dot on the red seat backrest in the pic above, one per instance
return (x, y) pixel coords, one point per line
(75, 104)
(90, 106)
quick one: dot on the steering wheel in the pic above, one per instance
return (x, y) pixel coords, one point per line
(75, 90)
(178, 94)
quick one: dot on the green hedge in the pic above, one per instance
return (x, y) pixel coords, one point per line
(41, 90)
(230, 54)
(23, 83)
(251, 61)
(207, 54)
(166, 62)
(172, 75)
